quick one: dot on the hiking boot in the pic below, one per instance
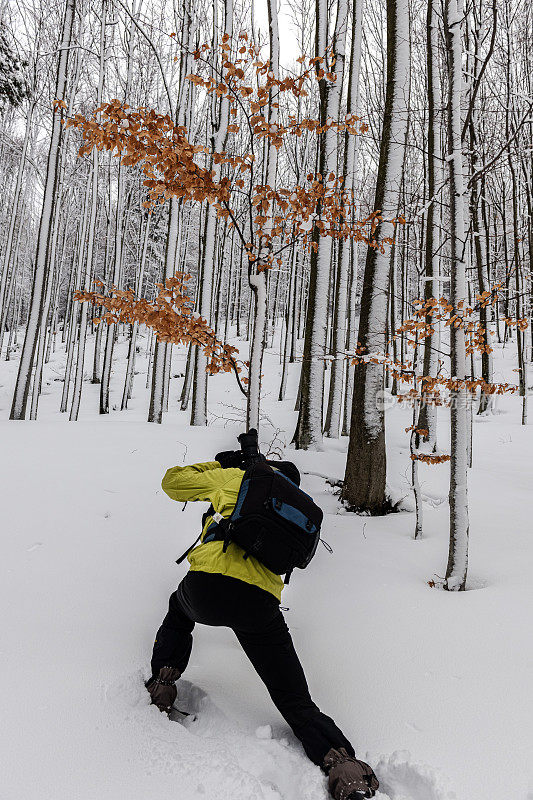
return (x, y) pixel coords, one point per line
(162, 689)
(348, 778)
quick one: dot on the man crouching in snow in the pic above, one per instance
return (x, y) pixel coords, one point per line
(225, 588)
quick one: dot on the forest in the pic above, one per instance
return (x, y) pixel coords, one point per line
(313, 218)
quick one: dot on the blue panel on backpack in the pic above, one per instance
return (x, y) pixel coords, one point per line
(243, 491)
(210, 537)
(292, 514)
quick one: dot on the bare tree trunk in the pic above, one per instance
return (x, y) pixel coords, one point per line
(257, 278)
(187, 380)
(351, 149)
(11, 283)
(333, 415)
(111, 331)
(364, 483)
(128, 382)
(290, 322)
(14, 212)
(458, 497)
(22, 387)
(76, 310)
(220, 125)
(155, 413)
(39, 361)
(428, 412)
(308, 434)
(99, 330)
(80, 361)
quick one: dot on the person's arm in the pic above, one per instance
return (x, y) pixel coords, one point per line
(194, 482)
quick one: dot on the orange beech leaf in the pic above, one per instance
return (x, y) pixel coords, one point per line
(170, 316)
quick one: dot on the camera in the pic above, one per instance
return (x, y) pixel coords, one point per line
(248, 454)
(250, 447)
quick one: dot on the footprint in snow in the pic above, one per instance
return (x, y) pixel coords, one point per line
(402, 779)
(210, 751)
(231, 763)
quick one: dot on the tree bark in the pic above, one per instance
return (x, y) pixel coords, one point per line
(458, 496)
(365, 477)
(22, 386)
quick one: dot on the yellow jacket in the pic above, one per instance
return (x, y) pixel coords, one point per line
(209, 482)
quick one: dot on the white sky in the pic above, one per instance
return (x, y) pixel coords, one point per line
(287, 37)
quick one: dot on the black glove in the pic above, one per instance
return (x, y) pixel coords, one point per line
(229, 458)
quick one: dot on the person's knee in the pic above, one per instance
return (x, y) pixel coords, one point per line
(176, 618)
(174, 605)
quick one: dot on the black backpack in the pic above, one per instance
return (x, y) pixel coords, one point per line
(273, 521)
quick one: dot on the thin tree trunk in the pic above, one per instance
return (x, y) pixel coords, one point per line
(256, 277)
(128, 382)
(159, 370)
(458, 497)
(334, 411)
(428, 412)
(22, 386)
(220, 123)
(308, 434)
(80, 361)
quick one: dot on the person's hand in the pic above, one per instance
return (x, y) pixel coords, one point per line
(349, 778)
(162, 689)
(229, 458)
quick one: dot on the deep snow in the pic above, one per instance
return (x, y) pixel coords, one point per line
(433, 688)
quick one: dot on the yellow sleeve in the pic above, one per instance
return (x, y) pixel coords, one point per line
(195, 482)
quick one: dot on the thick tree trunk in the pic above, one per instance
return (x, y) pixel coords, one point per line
(365, 478)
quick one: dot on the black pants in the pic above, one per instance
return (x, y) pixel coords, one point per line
(254, 615)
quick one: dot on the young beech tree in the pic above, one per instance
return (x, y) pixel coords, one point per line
(258, 277)
(458, 497)
(268, 220)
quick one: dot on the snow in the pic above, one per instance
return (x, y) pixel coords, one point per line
(433, 688)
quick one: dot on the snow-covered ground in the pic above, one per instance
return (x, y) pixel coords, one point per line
(433, 688)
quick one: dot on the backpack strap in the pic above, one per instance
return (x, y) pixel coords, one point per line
(219, 520)
(188, 550)
(209, 513)
(225, 526)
